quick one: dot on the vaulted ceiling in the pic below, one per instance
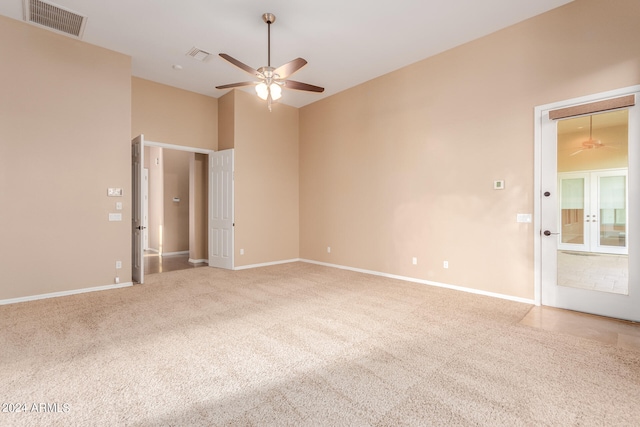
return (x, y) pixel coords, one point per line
(346, 42)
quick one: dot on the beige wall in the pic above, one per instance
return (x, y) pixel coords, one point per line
(65, 126)
(398, 167)
(156, 196)
(176, 214)
(226, 121)
(198, 209)
(403, 166)
(266, 181)
(173, 116)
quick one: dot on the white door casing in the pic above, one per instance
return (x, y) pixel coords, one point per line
(137, 209)
(221, 209)
(547, 292)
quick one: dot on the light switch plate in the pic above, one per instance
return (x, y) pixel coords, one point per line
(498, 185)
(115, 217)
(523, 218)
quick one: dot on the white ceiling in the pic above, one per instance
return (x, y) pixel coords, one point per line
(346, 42)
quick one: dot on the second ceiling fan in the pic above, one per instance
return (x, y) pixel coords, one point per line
(271, 80)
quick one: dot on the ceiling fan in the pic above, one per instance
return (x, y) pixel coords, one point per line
(271, 80)
(590, 143)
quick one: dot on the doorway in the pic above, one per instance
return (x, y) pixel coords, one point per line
(587, 167)
(170, 217)
(172, 209)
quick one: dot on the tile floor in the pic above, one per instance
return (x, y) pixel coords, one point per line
(600, 272)
(618, 333)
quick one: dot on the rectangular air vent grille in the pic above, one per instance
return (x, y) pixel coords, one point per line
(54, 17)
(199, 54)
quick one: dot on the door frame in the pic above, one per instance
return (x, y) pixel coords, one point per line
(633, 177)
(147, 143)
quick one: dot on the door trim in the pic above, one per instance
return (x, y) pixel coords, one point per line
(537, 183)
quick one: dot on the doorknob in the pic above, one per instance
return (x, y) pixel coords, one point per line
(547, 194)
(548, 233)
(140, 227)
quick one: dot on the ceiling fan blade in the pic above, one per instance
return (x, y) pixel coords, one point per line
(241, 65)
(232, 85)
(576, 152)
(291, 84)
(289, 68)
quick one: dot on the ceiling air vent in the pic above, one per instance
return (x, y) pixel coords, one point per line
(54, 17)
(198, 54)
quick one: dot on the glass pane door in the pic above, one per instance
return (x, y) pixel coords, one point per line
(589, 170)
(612, 232)
(573, 201)
(592, 189)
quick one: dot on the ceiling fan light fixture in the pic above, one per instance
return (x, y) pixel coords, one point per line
(262, 90)
(271, 80)
(276, 91)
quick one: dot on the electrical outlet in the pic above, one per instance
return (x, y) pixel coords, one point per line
(117, 280)
(241, 251)
(328, 249)
(445, 264)
(118, 264)
(414, 261)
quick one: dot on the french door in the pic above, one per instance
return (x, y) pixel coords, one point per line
(593, 211)
(588, 178)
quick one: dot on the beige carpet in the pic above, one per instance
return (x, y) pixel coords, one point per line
(302, 345)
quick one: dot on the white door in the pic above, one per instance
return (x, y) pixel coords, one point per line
(593, 211)
(221, 209)
(578, 280)
(137, 208)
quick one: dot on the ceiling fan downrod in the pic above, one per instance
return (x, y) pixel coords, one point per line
(269, 18)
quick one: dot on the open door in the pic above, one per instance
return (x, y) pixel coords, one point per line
(137, 204)
(221, 209)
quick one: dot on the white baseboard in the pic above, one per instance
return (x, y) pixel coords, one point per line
(153, 250)
(64, 293)
(198, 261)
(266, 264)
(175, 253)
(425, 282)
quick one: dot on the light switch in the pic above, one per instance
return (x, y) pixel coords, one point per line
(498, 185)
(119, 206)
(523, 218)
(115, 217)
(114, 192)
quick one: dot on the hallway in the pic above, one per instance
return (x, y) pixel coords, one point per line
(154, 263)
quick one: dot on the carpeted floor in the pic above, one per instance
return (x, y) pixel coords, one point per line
(301, 345)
